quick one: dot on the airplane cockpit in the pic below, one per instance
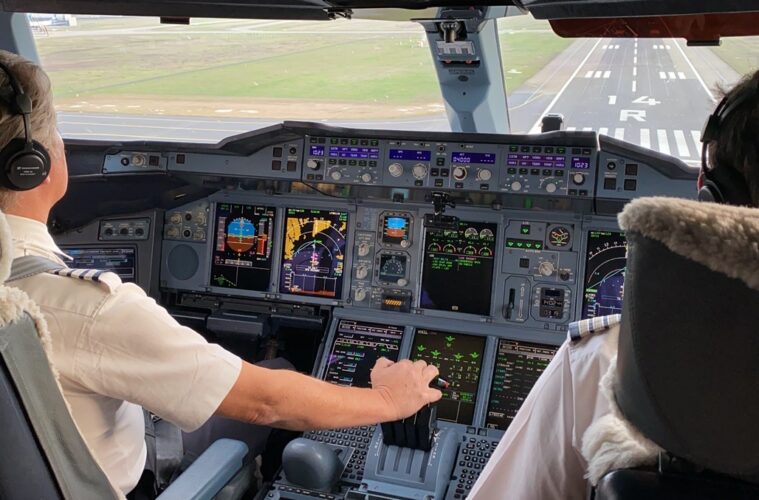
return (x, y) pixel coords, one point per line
(470, 234)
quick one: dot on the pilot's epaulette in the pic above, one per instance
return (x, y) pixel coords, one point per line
(582, 329)
(106, 278)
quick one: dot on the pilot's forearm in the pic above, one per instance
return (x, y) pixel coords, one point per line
(290, 400)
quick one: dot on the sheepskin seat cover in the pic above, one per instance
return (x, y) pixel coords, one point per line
(686, 374)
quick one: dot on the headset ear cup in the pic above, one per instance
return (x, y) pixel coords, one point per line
(23, 167)
(710, 193)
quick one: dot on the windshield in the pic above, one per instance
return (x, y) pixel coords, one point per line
(127, 78)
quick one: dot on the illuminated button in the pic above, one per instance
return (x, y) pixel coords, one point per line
(535, 171)
(395, 169)
(438, 182)
(516, 186)
(484, 174)
(511, 171)
(336, 175)
(277, 152)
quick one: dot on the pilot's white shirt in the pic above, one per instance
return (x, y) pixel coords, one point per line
(539, 455)
(117, 350)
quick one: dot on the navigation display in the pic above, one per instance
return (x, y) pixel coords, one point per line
(121, 260)
(313, 254)
(605, 264)
(242, 246)
(356, 348)
(459, 358)
(458, 268)
(517, 367)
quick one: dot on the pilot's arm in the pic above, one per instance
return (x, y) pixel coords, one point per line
(142, 355)
(539, 456)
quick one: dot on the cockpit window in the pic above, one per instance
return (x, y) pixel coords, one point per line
(132, 78)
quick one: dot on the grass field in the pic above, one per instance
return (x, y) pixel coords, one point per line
(740, 53)
(272, 68)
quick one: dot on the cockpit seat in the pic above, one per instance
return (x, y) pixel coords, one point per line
(685, 403)
(43, 454)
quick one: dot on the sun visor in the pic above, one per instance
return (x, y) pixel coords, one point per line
(686, 367)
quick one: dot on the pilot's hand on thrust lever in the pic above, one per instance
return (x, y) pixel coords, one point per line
(405, 385)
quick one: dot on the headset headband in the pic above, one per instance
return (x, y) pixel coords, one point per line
(21, 104)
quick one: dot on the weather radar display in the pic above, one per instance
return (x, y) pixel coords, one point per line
(605, 265)
(242, 247)
(313, 254)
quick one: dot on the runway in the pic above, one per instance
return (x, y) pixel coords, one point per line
(651, 92)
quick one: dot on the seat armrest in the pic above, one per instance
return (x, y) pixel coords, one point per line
(209, 473)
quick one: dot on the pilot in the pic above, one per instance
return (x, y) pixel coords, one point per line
(117, 351)
(540, 455)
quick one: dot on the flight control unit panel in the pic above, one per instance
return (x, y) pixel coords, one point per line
(471, 252)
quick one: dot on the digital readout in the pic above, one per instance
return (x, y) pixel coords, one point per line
(470, 158)
(581, 163)
(317, 150)
(410, 154)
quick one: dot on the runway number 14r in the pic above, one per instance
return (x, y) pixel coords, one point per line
(644, 99)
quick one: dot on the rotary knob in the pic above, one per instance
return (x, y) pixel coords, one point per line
(336, 175)
(419, 171)
(395, 169)
(366, 177)
(550, 187)
(516, 186)
(359, 295)
(459, 173)
(546, 268)
(362, 272)
(578, 179)
(363, 249)
(313, 164)
(484, 175)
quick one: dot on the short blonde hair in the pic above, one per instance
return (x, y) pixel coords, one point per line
(36, 85)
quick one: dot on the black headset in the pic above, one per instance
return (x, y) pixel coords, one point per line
(722, 184)
(25, 163)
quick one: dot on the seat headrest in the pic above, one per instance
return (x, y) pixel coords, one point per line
(688, 360)
(6, 249)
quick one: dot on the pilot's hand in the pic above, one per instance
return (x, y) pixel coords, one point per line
(405, 385)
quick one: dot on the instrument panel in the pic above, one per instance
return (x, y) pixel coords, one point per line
(483, 285)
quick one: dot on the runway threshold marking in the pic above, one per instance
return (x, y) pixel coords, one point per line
(682, 144)
(645, 138)
(663, 141)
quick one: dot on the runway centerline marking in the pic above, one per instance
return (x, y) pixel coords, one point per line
(612, 100)
(635, 86)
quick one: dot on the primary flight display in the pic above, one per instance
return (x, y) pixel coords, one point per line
(242, 249)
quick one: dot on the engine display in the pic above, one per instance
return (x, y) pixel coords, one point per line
(356, 348)
(313, 254)
(604, 273)
(458, 268)
(242, 247)
(459, 359)
(517, 367)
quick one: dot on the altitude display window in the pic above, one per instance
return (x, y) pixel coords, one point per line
(458, 268)
(313, 254)
(605, 264)
(518, 366)
(357, 346)
(122, 261)
(459, 358)
(242, 247)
